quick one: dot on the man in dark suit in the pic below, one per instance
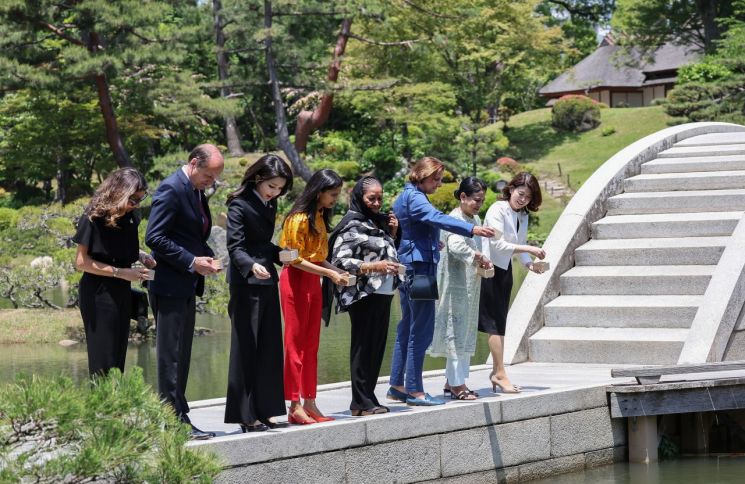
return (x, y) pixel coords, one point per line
(177, 232)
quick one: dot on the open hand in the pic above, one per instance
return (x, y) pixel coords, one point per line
(260, 271)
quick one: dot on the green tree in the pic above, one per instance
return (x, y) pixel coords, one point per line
(129, 53)
(714, 89)
(648, 23)
(51, 136)
(115, 430)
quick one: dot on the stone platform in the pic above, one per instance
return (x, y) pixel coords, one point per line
(559, 423)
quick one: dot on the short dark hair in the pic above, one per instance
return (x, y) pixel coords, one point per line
(266, 167)
(525, 179)
(202, 154)
(469, 186)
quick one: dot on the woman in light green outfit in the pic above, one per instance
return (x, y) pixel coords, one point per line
(457, 313)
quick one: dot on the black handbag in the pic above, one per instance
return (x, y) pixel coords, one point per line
(422, 287)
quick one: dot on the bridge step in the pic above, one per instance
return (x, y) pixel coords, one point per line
(701, 224)
(641, 280)
(677, 201)
(653, 346)
(615, 311)
(713, 139)
(698, 180)
(696, 151)
(647, 252)
(685, 165)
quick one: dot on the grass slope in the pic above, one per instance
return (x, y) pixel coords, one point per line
(535, 142)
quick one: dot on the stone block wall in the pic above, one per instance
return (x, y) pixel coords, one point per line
(514, 440)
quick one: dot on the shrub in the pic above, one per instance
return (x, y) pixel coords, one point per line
(8, 218)
(347, 170)
(383, 160)
(443, 198)
(115, 430)
(575, 113)
(608, 130)
(505, 164)
(703, 72)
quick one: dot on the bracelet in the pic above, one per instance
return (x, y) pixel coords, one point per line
(115, 272)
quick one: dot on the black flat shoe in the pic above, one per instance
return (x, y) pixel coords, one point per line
(259, 427)
(274, 425)
(197, 434)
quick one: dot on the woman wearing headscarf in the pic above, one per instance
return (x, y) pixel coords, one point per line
(363, 244)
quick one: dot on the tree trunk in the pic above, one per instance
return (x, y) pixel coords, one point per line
(708, 10)
(113, 136)
(62, 176)
(309, 121)
(283, 136)
(232, 135)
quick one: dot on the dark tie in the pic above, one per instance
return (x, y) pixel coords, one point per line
(205, 219)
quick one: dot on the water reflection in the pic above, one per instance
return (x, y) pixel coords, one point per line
(208, 377)
(691, 470)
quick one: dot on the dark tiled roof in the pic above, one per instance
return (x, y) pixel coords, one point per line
(610, 66)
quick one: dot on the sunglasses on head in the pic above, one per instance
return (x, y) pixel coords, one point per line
(136, 201)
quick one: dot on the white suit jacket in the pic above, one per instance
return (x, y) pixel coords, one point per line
(500, 249)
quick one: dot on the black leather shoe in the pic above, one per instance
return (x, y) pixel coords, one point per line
(197, 434)
(274, 425)
(259, 427)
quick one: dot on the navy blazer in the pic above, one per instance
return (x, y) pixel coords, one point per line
(250, 231)
(175, 235)
(420, 224)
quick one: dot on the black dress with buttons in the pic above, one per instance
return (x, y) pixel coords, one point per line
(105, 302)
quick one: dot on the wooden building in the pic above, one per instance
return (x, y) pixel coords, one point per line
(621, 78)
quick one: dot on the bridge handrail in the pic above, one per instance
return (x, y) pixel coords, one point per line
(651, 374)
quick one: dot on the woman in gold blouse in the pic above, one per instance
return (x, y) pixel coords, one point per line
(305, 229)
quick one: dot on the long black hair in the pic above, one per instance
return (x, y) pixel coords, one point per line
(307, 203)
(266, 167)
(469, 186)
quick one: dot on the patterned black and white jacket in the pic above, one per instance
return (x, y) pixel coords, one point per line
(358, 242)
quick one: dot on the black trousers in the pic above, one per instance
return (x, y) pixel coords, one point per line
(370, 317)
(255, 382)
(174, 320)
(105, 304)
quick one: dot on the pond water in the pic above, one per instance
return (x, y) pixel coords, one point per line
(208, 377)
(688, 470)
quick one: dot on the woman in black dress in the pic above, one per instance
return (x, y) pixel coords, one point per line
(107, 247)
(255, 383)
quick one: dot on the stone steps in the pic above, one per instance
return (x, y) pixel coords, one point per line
(713, 139)
(653, 346)
(647, 252)
(622, 311)
(696, 151)
(638, 283)
(700, 180)
(701, 224)
(685, 165)
(677, 201)
(640, 280)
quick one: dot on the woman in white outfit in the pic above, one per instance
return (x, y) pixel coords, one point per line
(509, 217)
(457, 311)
